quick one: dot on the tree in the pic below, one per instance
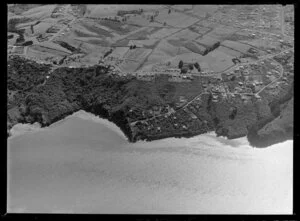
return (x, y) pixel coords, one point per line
(184, 70)
(180, 64)
(151, 18)
(165, 23)
(191, 67)
(216, 45)
(169, 11)
(197, 66)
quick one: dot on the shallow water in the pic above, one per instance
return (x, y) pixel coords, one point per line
(84, 164)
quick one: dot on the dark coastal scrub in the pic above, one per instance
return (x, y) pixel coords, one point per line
(126, 101)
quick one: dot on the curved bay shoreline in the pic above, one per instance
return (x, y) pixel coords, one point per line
(20, 129)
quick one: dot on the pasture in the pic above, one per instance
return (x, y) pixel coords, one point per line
(194, 47)
(118, 27)
(148, 43)
(175, 19)
(187, 35)
(119, 52)
(162, 33)
(202, 10)
(97, 11)
(42, 53)
(143, 33)
(40, 12)
(199, 29)
(92, 29)
(222, 32)
(54, 46)
(97, 41)
(221, 62)
(236, 46)
(207, 41)
(129, 66)
(138, 54)
(230, 52)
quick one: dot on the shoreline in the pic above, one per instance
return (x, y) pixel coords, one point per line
(22, 129)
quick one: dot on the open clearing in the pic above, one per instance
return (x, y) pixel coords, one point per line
(39, 12)
(207, 41)
(236, 45)
(186, 35)
(162, 33)
(230, 52)
(175, 19)
(137, 54)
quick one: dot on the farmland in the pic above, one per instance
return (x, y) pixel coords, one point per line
(162, 32)
(242, 54)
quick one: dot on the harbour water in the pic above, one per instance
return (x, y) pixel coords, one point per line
(84, 164)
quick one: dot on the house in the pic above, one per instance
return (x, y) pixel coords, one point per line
(257, 96)
(182, 99)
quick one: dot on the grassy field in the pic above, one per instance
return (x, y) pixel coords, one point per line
(163, 52)
(202, 10)
(157, 43)
(207, 41)
(176, 42)
(83, 34)
(139, 20)
(95, 41)
(148, 43)
(54, 47)
(175, 19)
(237, 46)
(199, 29)
(40, 12)
(221, 33)
(187, 35)
(119, 28)
(137, 54)
(41, 54)
(119, 51)
(230, 52)
(20, 8)
(222, 60)
(91, 28)
(194, 47)
(163, 33)
(50, 50)
(129, 66)
(144, 33)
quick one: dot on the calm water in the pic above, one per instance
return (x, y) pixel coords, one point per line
(83, 165)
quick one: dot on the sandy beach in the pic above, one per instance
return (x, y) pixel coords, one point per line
(84, 164)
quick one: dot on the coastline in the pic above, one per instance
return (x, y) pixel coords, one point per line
(21, 129)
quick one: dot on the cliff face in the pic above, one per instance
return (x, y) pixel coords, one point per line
(124, 100)
(274, 130)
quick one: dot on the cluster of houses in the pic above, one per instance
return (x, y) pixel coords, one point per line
(123, 12)
(43, 37)
(58, 11)
(15, 49)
